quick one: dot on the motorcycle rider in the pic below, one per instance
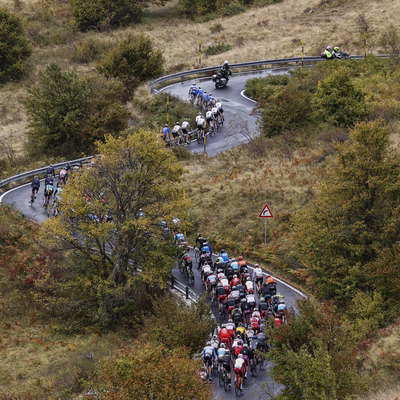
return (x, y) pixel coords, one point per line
(225, 70)
(328, 53)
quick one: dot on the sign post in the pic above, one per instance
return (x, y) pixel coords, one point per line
(265, 213)
(302, 53)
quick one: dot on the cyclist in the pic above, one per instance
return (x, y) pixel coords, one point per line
(246, 356)
(214, 342)
(226, 364)
(231, 327)
(264, 307)
(57, 196)
(237, 345)
(206, 247)
(48, 191)
(166, 133)
(200, 122)
(212, 284)
(50, 170)
(239, 370)
(48, 181)
(199, 94)
(249, 286)
(209, 357)
(204, 100)
(222, 295)
(185, 130)
(218, 104)
(200, 240)
(258, 277)
(192, 92)
(176, 131)
(224, 336)
(237, 315)
(35, 185)
(220, 355)
(204, 259)
(244, 305)
(210, 120)
(215, 115)
(251, 300)
(63, 176)
(271, 283)
(224, 256)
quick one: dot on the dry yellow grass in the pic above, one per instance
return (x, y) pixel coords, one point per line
(268, 32)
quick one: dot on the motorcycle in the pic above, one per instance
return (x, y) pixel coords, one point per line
(220, 81)
(339, 55)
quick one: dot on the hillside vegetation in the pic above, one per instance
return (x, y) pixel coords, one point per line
(253, 34)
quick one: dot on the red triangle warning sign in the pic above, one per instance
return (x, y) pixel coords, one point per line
(266, 212)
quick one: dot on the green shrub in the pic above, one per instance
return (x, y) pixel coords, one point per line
(90, 13)
(216, 28)
(287, 109)
(15, 48)
(232, 8)
(217, 49)
(68, 114)
(89, 50)
(338, 101)
(133, 61)
(264, 88)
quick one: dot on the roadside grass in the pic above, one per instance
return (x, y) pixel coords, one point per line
(228, 192)
(38, 361)
(273, 31)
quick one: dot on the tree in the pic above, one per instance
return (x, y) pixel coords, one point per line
(348, 236)
(338, 101)
(175, 324)
(68, 114)
(313, 355)
(149, 371)
(14, 47)
(110, 215)
(133, 61)
(90, 13)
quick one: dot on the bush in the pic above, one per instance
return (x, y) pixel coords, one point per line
(90, 13)
(264, 88)
(175, 324)
(289, 108)
(313, 355)
(87, 51)
(147, 370)
(338, 101)
(133, 61)
(216, 28)
(217, 49)
(68, 114)
(232, 8)
(15, 48)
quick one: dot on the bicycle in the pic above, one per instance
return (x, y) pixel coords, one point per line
(33, 195)
(253, 366)
(46, 202)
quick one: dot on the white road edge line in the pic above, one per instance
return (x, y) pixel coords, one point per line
(246, 97)
(11, 190)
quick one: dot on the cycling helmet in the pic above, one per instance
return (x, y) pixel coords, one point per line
(240, 258)
(36, 177)
(186, 118)
(208, 343)
(166, 125)
(329, 48)
(220, 270)
(50, 165)
(245, 345)
(230, 320)
(262, 299)
(227, 352)
(267, 276)
(199, 234)
(222, 251)
(223, 326)
(223, 346)
(248, 279)
(240, 324)
(194, 83)
(245, 270)
(232, 260)
(235, 276)
(240, 355)
(210, 94)
(255, 265)
(177, 123)
(336, 48)
(226, 62)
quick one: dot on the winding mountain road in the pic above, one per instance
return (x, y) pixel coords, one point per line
(236, 106)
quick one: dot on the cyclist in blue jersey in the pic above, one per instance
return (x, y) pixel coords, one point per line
(206, 247)
(199, 95)
(166, 133)
(192, 91)
(224, 256)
